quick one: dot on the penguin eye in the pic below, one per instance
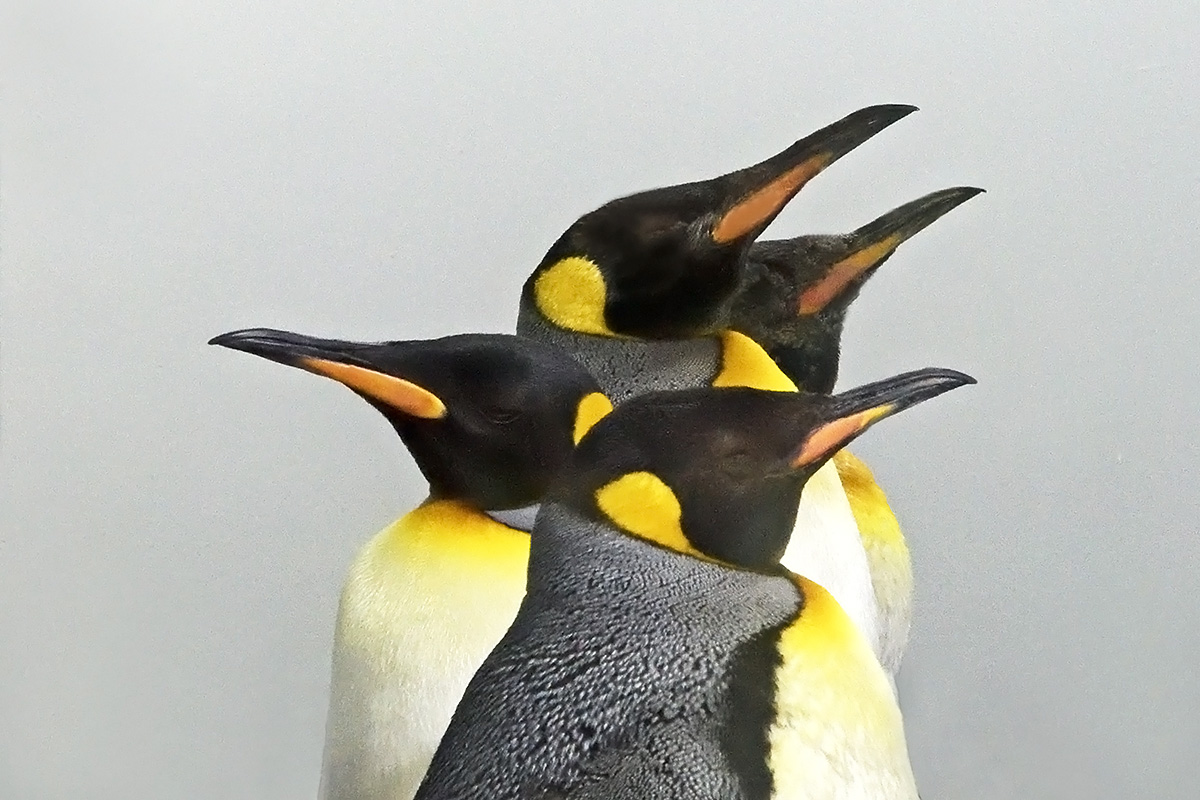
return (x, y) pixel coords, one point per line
(499, 415)
(738, 465)
(655, 226)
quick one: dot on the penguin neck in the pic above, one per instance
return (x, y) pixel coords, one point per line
(627, 367)
(447, 530)
(812, 363)
(617, 560)
(445, 478)
(745, 363)
(519, 519)
(456, 506)
(460, 480)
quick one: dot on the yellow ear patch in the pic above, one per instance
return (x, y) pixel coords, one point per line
(396, 392)
(639, 503)
(833, 434)
(571, 294)
(591, 409)
(745, 363)
(841, 274)
(750, 212)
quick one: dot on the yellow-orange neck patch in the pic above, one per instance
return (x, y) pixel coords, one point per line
(591, 409)
(869, 505)
(571, 293)
(834, 708)
(745, 363)
(454, 527)
(441, 578)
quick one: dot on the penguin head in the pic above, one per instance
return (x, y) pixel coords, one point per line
(796, 292)
(717, 473)
(664, 263)
(490, 419)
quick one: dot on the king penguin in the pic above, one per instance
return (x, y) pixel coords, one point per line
(489, 420)
(639, 289)
(639, 292)
(793, 302)
(661, 651)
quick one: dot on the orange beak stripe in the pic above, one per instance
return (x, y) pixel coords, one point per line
(830, 436)
(750, 212)
(395, 392)
(841, 274)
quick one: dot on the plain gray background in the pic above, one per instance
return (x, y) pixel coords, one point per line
(177, 517)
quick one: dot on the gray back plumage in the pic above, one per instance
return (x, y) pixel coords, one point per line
(628, 367)
(619, 669)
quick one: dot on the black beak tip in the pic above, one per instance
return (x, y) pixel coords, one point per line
(262, 342)
(949, 377)
(933, 382)
(944, 201)
(887, 113)
(943, 380)
(900, 109)
(849, 132)
(233, 338)
(963, 379)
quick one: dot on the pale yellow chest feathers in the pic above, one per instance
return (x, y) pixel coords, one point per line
(435, 577)
(837, 732)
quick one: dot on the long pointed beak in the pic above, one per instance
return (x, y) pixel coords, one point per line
(875, 241)
(759, 193)
(911, 218)
(346, 362)
(289, 348)
(852, 412)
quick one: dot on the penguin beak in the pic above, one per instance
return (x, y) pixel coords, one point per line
(850, 413)
(760, 192)
(877, 240)
(345, 362)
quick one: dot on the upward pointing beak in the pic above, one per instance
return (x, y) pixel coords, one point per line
(759, 193)
(852, 412)
(877, 240)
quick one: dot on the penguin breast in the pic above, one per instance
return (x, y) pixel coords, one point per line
(826, 547)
